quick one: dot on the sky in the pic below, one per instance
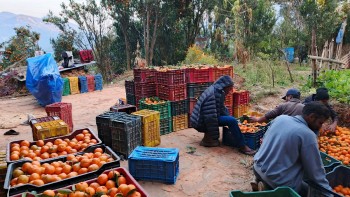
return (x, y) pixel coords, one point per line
(37, 8)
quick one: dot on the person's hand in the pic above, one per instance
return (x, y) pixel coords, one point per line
(329, 128)
(332, 128)
(253, 119)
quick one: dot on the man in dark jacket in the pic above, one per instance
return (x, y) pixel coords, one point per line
(291, 107)
(210, 112)
(323, 96)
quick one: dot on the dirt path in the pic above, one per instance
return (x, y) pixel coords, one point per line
(207, 172)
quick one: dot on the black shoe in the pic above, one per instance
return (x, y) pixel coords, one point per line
(211, 143)
(11, 132)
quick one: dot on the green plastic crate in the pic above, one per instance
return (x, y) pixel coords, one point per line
(163, 108)
(329, 163)
(166, 126)
(278, 192)
(66, 87)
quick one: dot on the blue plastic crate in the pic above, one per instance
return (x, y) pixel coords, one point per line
(154, 164)
(83, 86)
(252, 140)
(98, 82)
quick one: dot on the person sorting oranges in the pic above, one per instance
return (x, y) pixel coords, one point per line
(210, 112)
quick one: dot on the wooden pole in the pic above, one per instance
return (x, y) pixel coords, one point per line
(313, 52)
(326, 59)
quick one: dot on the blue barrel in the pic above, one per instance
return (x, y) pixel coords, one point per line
(290, 54)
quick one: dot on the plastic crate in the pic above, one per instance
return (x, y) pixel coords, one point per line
(145, 89)
(241, 97)
(127, 108)
(83, 85)
(49, 129)
(69, 136)
(150, 127)
(194, 90)
(126, 133)
(144, 75)
(166, 126)
(229, 100)
(43, 119)
(278, 192)
(3, 166)
(179, 107)
(201, 75)
(104, 126)
(62, 110)
(64, 182)
(230, 110)
(131, 99)
(74, 85)
(172, 92)
(66, 87)
(129, 87)
(339, 176)
(221, 71)
(240, 110)
(163, 108)
(155, 164)
(252, 140)
(191, 104)
(91, 82)
(315, 190)
(121, 170)
(171, 77)
(329, 163)
(189, 121)
(98, 82)
(180, 122)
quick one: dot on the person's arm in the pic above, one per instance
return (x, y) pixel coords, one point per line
(275, 112)
(312, 164)
(261, 119)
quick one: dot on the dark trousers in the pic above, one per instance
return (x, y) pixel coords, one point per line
(233, 127)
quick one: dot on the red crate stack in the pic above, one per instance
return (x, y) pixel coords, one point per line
(171, 77)
(144, 75)
(241, 97)
(221, 71)
(199, 75)
(144, 80)
(91, 82)
(62, 110)
(171, 85)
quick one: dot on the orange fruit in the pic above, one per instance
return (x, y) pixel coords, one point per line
(94, 185)
(14, 156)
(101, 163)
(102, 189)
(85, 163)
(124, 189)
(121, 180)
(110, 184)
(50, 169)
(112, 174)
(17, 172)
(34, 176)
(97, 154)
(62, 175)
(102, 179)
(38, 182)
(67, 169)
(76, 167)
(58, 170)
(15, 148)
(98, 150)
(81, 186)
(113, 191)
(13, 181)
(72, 174)
(25, 143)
(135, 194)
(44, 149)
(104, 158)
(85, 131)
(80, 137)
(93, 167)
(82, 171)
(40, 143)
(61, 147)
(35, 169)
(26, 166)
(23, 179)
(50, 193)
(90, 191)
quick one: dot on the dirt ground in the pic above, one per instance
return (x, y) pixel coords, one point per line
(207, 172)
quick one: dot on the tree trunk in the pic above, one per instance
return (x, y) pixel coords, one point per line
(154, 37)
(127, 47)
(313, 52)
(147, 35)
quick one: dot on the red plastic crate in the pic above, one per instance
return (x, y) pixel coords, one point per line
(144, 75)
(91, 82)
(229, 100)
(240, 97)
(145, 89)
(171, 77)
(62, 110)
(191, 104)
(194, 75)
(172, 92)
(221, 71)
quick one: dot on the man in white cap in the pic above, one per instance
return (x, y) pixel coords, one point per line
(291, 107)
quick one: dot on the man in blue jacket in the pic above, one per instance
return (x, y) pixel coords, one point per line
(289, 154)
(210, 112)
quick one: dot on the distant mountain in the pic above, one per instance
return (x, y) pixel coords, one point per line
(8, 21)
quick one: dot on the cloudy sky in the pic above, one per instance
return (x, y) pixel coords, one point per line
(37, 8)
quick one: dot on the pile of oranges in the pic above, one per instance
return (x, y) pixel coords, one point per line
(40, 174)
(41, 150)
(336, 145)
(345, 191)
(250, 127)
(111, 184)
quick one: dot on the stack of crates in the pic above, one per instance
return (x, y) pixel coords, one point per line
(130, 92)
(125, 133)
(98, 82)
(83, 85)
(163, 107)
(154, 164)
(240, 103)
(229, 102)
(145, 84)
(62, 110)
(91, 82)
(150, 127)
(49, 129)
(66, 87)
(179, 114)
(198, 80)
(127, 108)
(3, 170)
(103, 123)
(74, 85)
(219, 71)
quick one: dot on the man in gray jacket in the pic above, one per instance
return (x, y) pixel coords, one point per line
(289, 154)
(291, 107)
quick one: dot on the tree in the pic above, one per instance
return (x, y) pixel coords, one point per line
(93, 22)
(20, 47)
(64, 42)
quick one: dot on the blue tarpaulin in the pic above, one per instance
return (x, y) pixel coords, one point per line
(44, 80)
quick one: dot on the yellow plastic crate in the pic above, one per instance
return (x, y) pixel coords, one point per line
(240, 110)
(74, 85)
(180, 122)
(49, 129)
(3, 166)
(150, 127)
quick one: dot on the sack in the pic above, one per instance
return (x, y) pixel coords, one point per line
(44, 80)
